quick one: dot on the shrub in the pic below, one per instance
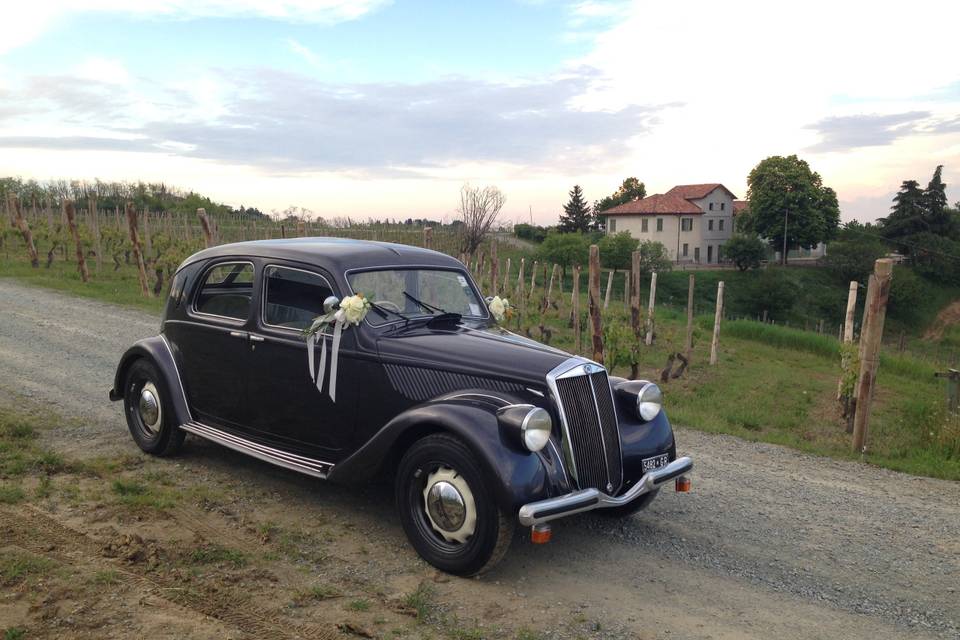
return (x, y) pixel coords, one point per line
(530, 232)
(853, 259)
(771, 290)
(616, 250)
(745, 251)
(565, 249)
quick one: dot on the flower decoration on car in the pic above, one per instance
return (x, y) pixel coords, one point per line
(349, 312)
(501, 309)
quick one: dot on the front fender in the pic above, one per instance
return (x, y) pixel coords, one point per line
(516, 476)
(158, 352)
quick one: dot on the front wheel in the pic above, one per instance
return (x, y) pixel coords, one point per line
(448, 512)
(146, 403)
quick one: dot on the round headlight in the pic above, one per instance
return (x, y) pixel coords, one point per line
(649, 402)
(536, 429)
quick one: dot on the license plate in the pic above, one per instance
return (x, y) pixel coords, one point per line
(656, 462)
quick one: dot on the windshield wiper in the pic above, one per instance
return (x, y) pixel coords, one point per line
(383, 311)
(423, 305)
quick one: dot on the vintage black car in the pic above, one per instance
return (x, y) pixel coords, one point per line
(479, 428)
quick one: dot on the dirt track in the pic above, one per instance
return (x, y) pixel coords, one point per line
(771, 543)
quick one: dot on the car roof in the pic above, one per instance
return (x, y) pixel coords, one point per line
(335, 254)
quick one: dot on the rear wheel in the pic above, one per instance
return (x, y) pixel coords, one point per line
(149, 412)
(447, 510)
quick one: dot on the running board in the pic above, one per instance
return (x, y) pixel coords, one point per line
(291, 461)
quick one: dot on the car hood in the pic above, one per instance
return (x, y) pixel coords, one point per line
(483, 351)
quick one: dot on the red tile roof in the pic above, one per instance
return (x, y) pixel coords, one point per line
(660, 203)
(697, 191)
(739, 205)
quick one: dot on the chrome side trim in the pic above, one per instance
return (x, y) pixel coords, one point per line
(176, 369)
(308, 466)
(503, 403)
(589, 499)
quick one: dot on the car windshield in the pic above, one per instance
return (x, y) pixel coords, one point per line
(417, 292)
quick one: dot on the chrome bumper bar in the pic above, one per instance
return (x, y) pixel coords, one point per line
(590, 499)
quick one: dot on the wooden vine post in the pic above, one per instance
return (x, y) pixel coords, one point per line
(553, 277)
(205, 225)
(68, 211)
(506, 278)
(635, 295)
(606, 297)
(428, 237)
(870, 338)
(575, 311)
(846, 335)
(494, 267)
(95, 228)
(596, 321)
(717, 317)
(689, 343)
(135, 241)
(25, 232)
(650, 306)
(533, 279)
(519, 292)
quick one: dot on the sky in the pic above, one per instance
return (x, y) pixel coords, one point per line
(384, 109)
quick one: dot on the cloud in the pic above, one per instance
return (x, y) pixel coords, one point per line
(290, 122)
(842, 133)
(30, 19)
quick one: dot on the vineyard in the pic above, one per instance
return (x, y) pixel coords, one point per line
(737, 370)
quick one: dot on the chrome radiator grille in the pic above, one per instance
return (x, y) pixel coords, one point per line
(590, 427)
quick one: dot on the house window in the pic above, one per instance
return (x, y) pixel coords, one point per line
(696, 254)
(686, 224)
(644, 225)
(711, 206)
(721, 225)
(659, 224)
(709, 253)
(709, 225)
(723, 206)
(719, 253)
(612, 225)
(686, 249)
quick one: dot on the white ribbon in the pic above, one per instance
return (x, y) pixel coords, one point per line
(318, 374)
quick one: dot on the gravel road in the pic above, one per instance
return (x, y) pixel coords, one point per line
(770, 543)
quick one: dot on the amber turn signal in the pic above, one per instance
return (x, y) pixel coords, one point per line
(540, 534)
(683, 484)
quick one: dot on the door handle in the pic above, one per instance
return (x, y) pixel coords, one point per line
(238, 334)
(254, 338)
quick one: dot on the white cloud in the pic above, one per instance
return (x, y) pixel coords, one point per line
(25, 21)
(100, 69)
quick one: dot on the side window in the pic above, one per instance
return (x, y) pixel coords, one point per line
(643, 225)
(709, 225)
(226, 291)
(613, 225)
(659, 224)
(721, 225)
(292, 297)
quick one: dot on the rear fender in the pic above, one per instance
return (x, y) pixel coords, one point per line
(159, 353)
(516, 476)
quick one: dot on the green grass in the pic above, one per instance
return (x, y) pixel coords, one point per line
(360, 604)
(422, 600)
(17, 566)
(11, 493)
(133, 493)
(217, 555)
(19, 452)
(14, 633)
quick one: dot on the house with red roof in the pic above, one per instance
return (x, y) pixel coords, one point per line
(692, 220)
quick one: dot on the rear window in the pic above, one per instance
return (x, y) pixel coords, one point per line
(226, 291)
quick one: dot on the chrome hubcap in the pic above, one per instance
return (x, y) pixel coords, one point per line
(446, 506)
(450, 506)
(149, 407)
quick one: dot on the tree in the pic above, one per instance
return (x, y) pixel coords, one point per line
(746, 251)
(654, 257)
(576, 213)
(616, 250)
(936, 257)
(852, 259)
(533, 233)
(917, 211)
(630, 189)
(565, 249)
(784, 193)
(478, 210)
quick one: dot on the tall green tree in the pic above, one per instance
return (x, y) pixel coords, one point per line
(630, 189)
(787, 196)
(920, 211)
(576, 214)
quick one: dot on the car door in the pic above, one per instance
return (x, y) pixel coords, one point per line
(286, 404)
(212, 343)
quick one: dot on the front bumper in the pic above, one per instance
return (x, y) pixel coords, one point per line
(589, 499)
